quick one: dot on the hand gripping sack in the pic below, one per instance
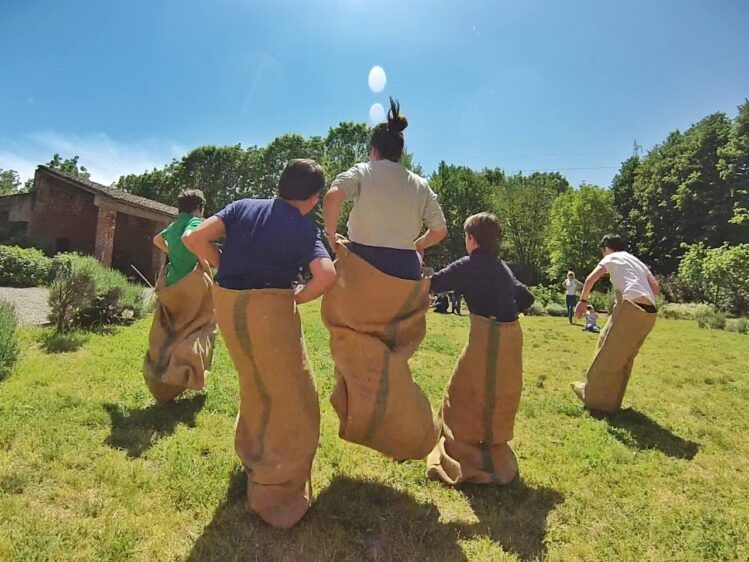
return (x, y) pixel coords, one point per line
(376, 323)
(479, 408)
(181, 340)
(278, 424)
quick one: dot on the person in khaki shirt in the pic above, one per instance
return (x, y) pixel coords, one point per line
(392, 205)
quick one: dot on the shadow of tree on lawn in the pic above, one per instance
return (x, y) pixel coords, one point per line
(637, 430)
(366, 520)
(138, 429)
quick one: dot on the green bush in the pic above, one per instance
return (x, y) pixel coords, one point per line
(722, 274)
(712, 319)
(547, 295)
(24, 267)
(739, 325)
(602, 301)
(684, 311)
(9, 346)
(85, 294)
(554, 309)
(536, 309)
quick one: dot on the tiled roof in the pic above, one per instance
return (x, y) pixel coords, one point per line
(117, 194)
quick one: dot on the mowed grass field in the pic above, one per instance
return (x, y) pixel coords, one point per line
(92, 469)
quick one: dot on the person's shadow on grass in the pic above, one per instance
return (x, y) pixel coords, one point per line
(513, 516)
(350, 520)
(364, 520)
(138, 429)
(637, 430)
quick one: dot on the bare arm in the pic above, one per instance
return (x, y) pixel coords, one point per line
(654, 285)
(429, 239)
(200, 240)
(331, 209)
(160, 243)
(323, 279)
(590, 281)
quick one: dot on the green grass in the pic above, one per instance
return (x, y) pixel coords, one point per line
(91, 469)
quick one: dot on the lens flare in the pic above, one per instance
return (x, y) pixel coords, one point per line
(376, 114)
(377, 79)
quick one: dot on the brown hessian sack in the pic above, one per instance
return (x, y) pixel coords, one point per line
(479, 407)
(376, 323)
(181, 341)
(618, 345)
(278, 425)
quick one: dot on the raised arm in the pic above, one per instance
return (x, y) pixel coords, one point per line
(200, 240)
(323, 279)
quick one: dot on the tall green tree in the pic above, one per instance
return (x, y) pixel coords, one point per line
(522, 204)
(577, 221)
(10, 182)
(69, 166)
(623, 191)
(734, 169)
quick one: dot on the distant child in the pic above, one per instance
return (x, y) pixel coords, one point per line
(183, 331)
(268, 243)
(570, 288)
(591, 320)
(479, 407)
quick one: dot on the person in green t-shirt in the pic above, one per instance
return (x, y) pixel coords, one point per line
(191, 204)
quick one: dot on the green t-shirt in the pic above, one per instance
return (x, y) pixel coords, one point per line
(181, 260)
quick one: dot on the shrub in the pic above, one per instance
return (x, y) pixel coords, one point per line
(24, 267)
(602, 301)
(555, 309)
(721, 273)
(85, 294)
(739, 325)
(711, 319)
(684, 311)
(9, 346)
(547, 295)
(536, 309)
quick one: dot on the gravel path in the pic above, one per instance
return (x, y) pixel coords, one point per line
(30, 303)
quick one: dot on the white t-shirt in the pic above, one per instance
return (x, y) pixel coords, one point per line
(571, 285)
(629, 276)
(391, 204)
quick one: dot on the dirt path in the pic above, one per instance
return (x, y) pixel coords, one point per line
(31, 303)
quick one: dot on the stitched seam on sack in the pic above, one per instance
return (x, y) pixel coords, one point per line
(490, 387)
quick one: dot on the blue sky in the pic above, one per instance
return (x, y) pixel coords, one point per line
(523, 85)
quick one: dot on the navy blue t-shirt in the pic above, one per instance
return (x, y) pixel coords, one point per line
(488, 285)
(268, 242)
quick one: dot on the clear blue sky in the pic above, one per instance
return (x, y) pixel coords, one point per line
(520, 85)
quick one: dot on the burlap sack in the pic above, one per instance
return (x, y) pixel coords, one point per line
(376, 322)
(180, 344)
(618, 345)
(479, 407)
(278, 425)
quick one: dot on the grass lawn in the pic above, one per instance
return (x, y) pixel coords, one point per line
(91, 469)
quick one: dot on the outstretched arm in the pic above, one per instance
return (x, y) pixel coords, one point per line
(323, 279)
(590, 281)
(200, 240)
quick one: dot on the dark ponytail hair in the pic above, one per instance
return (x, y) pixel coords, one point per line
(387, 138)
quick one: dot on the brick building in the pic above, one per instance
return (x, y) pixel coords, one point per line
(67, 214)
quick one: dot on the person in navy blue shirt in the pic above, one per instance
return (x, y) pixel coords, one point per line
(270, 241)
(487, 284)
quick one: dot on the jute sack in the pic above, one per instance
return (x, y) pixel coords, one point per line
(180, 344)
(376, 322)
(479, 407)
(618, 345)
(278, 425)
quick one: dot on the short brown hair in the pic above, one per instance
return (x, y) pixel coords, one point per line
(301, 179)
(190, 200)
(485, 228)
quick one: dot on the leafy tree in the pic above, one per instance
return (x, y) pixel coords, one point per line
(722, 274)
(522, 204)
(578, 220)
(9, 182)
(623, 191)
(69, 166)
(345, 145)
(462, 192)
(734, 169)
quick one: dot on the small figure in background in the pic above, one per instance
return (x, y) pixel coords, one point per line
(591, 320)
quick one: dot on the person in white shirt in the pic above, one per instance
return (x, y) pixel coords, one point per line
(570, 286)
(632, 319)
